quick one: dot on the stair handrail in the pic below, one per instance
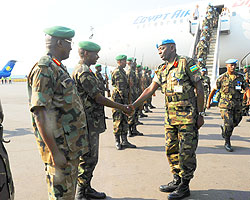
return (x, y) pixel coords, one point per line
(195, 41)
(215, 70)
(245, 57)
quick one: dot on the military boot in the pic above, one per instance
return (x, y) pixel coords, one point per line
(80, 193)
(118, 142)
(227, 145)
(181, 191)
(93, 194)
(171, 186)
(135, 131)
(151, 106)
(146, 109)
(125, 143)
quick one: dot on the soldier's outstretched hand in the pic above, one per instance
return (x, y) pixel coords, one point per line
(128, 109)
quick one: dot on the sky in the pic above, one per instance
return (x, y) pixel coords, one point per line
(22, 23)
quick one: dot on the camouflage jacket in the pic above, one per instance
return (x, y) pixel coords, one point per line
(101, 83)
(88, 87)
(132, 81)
(138, 81)
(50, 86)
(206, 83)
(230, 90)
(177, 80)
(121, 87)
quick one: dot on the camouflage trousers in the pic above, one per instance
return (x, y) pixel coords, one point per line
(181, 144)
(245, 108)
(206, 94)
(89, 161)
(231, 118)
(62, 181)
(120, 123)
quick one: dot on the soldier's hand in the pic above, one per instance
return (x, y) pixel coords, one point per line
(208, 105)
(58, 159)
(127, 109)
(200, 121)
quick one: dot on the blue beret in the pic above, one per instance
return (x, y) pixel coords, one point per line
(60, 31)
(121, 57)
(167, 41)
(200, 59)
(205, 27)
(231, 61)
(203, 69)
(89, 46)
(203, 38)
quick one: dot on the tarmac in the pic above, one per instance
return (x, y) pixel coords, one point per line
(132, 174)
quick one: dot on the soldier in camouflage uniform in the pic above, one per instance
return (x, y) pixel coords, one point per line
(149, 82)
(132, 129)
(202, 49)
(145, 84)
(179, 78)
(245, 109)
(6, 182)
(121, 94)
(94, 102)
(101, 81)
(230, 85)
(206, 85)
(58, 119)
(139, 87)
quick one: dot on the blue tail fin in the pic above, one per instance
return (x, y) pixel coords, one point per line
(9, 66)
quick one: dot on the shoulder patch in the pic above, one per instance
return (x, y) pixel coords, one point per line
(44, 61)
(193, 68)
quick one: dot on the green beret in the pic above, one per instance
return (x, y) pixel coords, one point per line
(138, 66)
(60, 31)
(89, 46)
(98, 65)
(121, 57)
(130, 59)
(247, 66)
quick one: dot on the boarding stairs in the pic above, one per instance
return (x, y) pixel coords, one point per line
(210, 57)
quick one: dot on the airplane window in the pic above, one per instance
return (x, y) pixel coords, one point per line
(233, 13)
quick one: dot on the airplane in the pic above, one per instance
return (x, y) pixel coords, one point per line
(136, 35)
(6, 71)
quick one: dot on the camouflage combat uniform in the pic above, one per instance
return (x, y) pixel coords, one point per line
(120, 95)
(50, 86)
(88, 88)
(230, 103)
(101, 83)
(206, 84)
(181, 114)
(7, 190)
(133, 92)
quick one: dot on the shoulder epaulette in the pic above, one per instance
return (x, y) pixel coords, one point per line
(44, 61)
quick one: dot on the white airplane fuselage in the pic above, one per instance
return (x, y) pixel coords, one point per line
(137, 35)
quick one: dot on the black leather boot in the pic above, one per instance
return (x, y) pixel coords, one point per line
(151, 106)
(227, 145)
(181, 191)
(135, 131)
(118, 142)
(171, 186)
(125, 143)
(92, 193)
(80, 193)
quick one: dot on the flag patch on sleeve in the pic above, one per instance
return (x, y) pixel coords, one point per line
(194, 68)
